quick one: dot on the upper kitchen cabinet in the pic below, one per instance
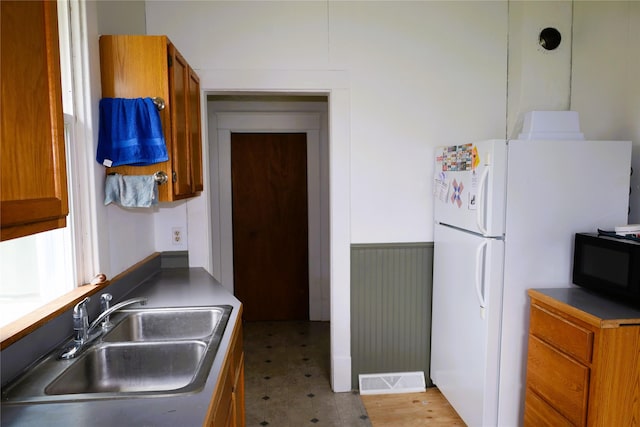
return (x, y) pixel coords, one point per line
(33, 188)
(151, 66)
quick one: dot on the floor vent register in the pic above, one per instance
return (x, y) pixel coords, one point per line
(398, 382)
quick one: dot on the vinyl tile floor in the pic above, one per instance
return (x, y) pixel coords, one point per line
(287, 382)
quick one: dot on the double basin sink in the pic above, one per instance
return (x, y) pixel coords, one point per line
(148, 352)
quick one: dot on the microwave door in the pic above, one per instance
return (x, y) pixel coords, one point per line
(607, 265)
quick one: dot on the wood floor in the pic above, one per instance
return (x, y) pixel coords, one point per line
(411, 409)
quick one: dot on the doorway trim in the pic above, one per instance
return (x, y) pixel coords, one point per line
(335, 84)
(268, 122)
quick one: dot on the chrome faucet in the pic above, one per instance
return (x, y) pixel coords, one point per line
(83, 332)
(109, 310)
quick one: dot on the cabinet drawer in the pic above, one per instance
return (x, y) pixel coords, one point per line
(538, 413)
(561, 333)
(558, 379)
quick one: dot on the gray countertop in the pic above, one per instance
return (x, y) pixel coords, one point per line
(594, 304)
(169, 288)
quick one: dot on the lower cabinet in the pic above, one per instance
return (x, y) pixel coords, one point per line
(227, 404)
(581, 370)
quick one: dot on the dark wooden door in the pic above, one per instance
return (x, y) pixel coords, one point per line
(270, 225)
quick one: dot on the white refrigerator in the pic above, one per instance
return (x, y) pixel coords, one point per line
(505, 215)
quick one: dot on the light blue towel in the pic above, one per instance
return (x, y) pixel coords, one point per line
(131, 191)
(130, 133)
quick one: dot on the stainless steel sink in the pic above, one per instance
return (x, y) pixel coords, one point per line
(148, 352)
(125, 367)
(166, 324)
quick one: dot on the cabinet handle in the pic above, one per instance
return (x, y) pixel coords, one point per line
(174, 177)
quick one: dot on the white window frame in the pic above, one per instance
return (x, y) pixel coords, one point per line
(82, 180)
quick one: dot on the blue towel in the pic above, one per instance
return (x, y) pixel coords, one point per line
(130, 133)
(131, 191)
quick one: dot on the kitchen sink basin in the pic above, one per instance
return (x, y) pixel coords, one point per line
(126, 367)
(148, 352)
(166, 324)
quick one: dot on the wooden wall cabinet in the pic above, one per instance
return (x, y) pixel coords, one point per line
(33, 193)
(134, 66)
(227, 407)
(582, 370)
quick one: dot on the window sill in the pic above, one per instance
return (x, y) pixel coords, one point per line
(20, 328)
(23, 326)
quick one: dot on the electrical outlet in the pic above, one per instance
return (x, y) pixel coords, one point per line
(176, 235)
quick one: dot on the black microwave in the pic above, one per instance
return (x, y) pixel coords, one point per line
(608, 265)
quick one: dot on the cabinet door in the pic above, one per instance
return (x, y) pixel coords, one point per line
(237, 371)
(151, 66)
(178, 83)
(195, 135)
(223, 415)
(33, 174)
(137, 67)
(615, 395)
(238, 395)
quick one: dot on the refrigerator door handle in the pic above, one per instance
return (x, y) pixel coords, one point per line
(480, 211)
(480, 279)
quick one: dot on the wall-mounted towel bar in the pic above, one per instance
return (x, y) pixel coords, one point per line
(161, 177)
(159, 103)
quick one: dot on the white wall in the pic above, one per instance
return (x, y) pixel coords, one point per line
(131, 237)
(606, 77)
(539, 79)
(168, 218)
(121, 17)
(422, 74)
(414, 69)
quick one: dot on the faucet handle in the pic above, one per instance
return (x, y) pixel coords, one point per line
(81, 320)
(80, 329)
(80, 308)
(105, 301)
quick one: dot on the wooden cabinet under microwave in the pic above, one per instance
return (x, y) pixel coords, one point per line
(583, 363)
